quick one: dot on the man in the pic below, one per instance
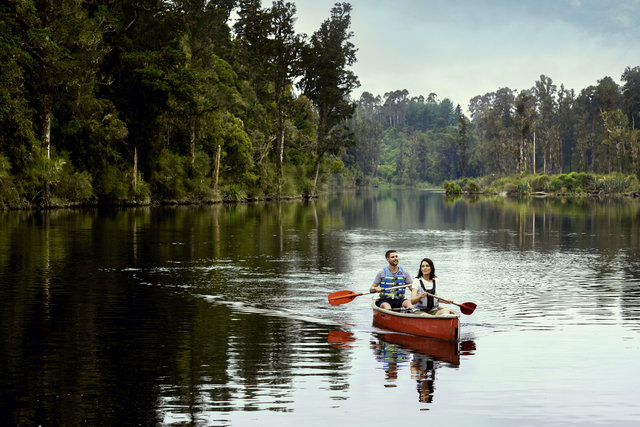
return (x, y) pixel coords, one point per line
(390, 277)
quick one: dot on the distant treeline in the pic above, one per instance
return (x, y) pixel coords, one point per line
(541, 130)
(123, 101)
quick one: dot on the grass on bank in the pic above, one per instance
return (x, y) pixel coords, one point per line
(572, 184)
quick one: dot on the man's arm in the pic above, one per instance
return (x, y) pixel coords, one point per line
(375, 287)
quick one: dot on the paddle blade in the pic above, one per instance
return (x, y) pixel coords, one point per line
(342, 297)
(467, 307)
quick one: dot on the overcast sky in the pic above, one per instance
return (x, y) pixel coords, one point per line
(463, 48)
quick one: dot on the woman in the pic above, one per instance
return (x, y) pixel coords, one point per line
(427, 285)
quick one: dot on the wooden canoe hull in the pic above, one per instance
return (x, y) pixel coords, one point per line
(418, 323)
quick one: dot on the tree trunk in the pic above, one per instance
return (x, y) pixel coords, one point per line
(135, 170)
(521, 163)
(192, 142)
(316, 169)
(544, 155)
(533, 158)
(216, 170)
(280, 148)
(47, 96)
(46, 120)
(46, 137)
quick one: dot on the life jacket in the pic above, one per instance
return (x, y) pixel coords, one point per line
(391, 280)
(432, 303)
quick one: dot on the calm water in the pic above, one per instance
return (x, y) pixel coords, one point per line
(218, 315)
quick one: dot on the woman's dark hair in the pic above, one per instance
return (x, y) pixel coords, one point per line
(432, 273)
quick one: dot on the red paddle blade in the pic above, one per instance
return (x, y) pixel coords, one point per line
(342, 297)
(467, 307)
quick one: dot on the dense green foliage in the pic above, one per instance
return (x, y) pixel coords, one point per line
(123, 101)
(542, 130)
(401, 140)
(571, 184)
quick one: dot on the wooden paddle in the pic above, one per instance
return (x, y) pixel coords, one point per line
(465, 307)
(343, 297)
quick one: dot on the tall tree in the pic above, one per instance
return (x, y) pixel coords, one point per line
(272, 50)
(567, 126)
(369, 106)
(328, 82)
(498, 144)
(146, 63)
(631, 106)
(587, 113)
(462, 141)
(18, 138)
(368, 137)
(607, 98)
(252, 29)
(205, 41)
(525, 111)
(394, 107)
(285, 53)
(545, 92)
(631, 95)
(617, 137)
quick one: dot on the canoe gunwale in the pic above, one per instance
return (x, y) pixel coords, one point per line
(415, 314)
(444, 327)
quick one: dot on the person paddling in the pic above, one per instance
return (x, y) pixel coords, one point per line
(427, 285)
(389, 277)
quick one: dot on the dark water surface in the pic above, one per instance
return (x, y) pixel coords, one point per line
(218, 315)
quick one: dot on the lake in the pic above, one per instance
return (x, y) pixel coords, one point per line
(218, 315)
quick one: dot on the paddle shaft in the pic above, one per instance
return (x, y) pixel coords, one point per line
(389, 289)
(336, 296)
(441, 299)
(467, 307)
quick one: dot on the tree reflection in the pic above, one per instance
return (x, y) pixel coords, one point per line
(103, 319)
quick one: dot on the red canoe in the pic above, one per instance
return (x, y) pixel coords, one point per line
(419, 323)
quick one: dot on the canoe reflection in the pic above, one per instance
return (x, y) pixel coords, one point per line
(423, 355)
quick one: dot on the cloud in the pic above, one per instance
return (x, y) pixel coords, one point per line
(466, 48)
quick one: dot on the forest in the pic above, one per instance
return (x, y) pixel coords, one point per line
(544, 130)
(121, 102)
(189, 101)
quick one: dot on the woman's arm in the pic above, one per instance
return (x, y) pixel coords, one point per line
(415, 297)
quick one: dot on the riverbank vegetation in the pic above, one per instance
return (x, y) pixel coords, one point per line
(547, 133)
(573, 184)
(138, 102)
(204, 101)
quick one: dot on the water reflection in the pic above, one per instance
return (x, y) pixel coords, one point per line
(190, 314)
(340, 339)
(423, 356)
(550, 224)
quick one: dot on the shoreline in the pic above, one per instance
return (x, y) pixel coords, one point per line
(55, 205)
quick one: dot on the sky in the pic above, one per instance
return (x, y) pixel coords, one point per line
(464, 48)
